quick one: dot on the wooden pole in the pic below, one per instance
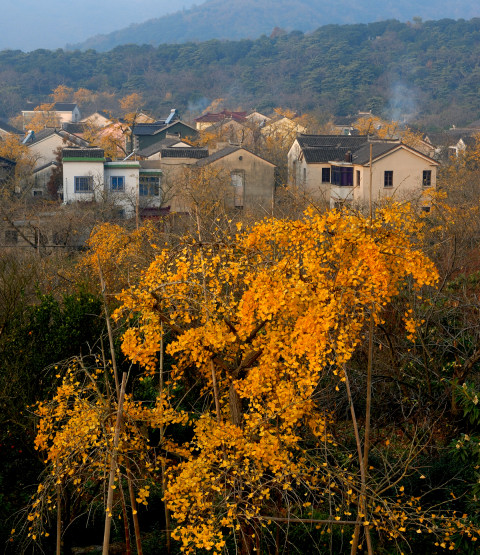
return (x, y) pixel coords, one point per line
(113, 468)
(59, 520)
(133, 505)
(109, 327)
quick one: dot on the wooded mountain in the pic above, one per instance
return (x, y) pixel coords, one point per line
(251, 18)
(430, 70)
(30, 24)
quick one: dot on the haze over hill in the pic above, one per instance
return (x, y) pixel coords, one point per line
(251, 18)
(29, 24)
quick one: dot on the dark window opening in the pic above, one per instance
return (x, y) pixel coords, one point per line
(388, 179)
(342, 176)
(325, 175)
(427, 178)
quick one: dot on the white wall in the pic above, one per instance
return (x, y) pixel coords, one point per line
(407, 170)
(127, 198)
(82, 169)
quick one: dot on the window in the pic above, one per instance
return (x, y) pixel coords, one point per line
(117, 183)
(149, 186)
(342, 176)
(304, 175)
(83, 184)
(325, 175)
(11, 237)
(388, 179)
(238, 183)
(358, 178)
(427, 178)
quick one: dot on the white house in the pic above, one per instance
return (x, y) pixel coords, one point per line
(44, 145)
(336, 169)
(88, 176)
(59, 112)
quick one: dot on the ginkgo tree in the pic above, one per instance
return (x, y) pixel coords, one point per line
(260, 322)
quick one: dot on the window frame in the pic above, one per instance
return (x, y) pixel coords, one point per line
(119, 186)
(325, 172)
(78, 187)
(238, 189)
(342, 176)
(388, 179)
(147, 184)
(427, 178)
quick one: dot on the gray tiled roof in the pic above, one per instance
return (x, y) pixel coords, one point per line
(219, 154)
(157, 147)
(64, 106)
(226, 151)
(156, 127)
(362, 155)
(75, 152)
(56, 107)
(42, 134)
(45, 166)
(75, 128)
(183, 152)
(47, 132)
(322, 155)
(318, 149)
(147, 128)
(344, 121)
(9, 128)
(332, 141)
(6, 162)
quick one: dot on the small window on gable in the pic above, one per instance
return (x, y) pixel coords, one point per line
(427, 178)
(388, 179)
(117, 183)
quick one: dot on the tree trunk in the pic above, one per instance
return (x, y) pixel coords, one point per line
(235, 406)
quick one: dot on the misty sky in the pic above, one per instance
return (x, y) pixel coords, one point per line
(31, 24)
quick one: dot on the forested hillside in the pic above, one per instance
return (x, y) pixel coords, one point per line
(217, 19)
(430, 69)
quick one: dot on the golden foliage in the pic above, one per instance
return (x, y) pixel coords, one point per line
(131, 103)
(62, 94)
(259, 321)
(262, 318)
(373, 125)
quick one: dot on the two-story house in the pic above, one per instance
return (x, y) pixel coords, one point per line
(336, 169)
(126, 184)
(56, 114)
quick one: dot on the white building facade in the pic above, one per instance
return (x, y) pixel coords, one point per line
(88, 177)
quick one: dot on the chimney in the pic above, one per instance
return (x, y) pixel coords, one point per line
(348, 157)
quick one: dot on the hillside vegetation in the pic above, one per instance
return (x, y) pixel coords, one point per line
(430, 69)
(217, 19)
